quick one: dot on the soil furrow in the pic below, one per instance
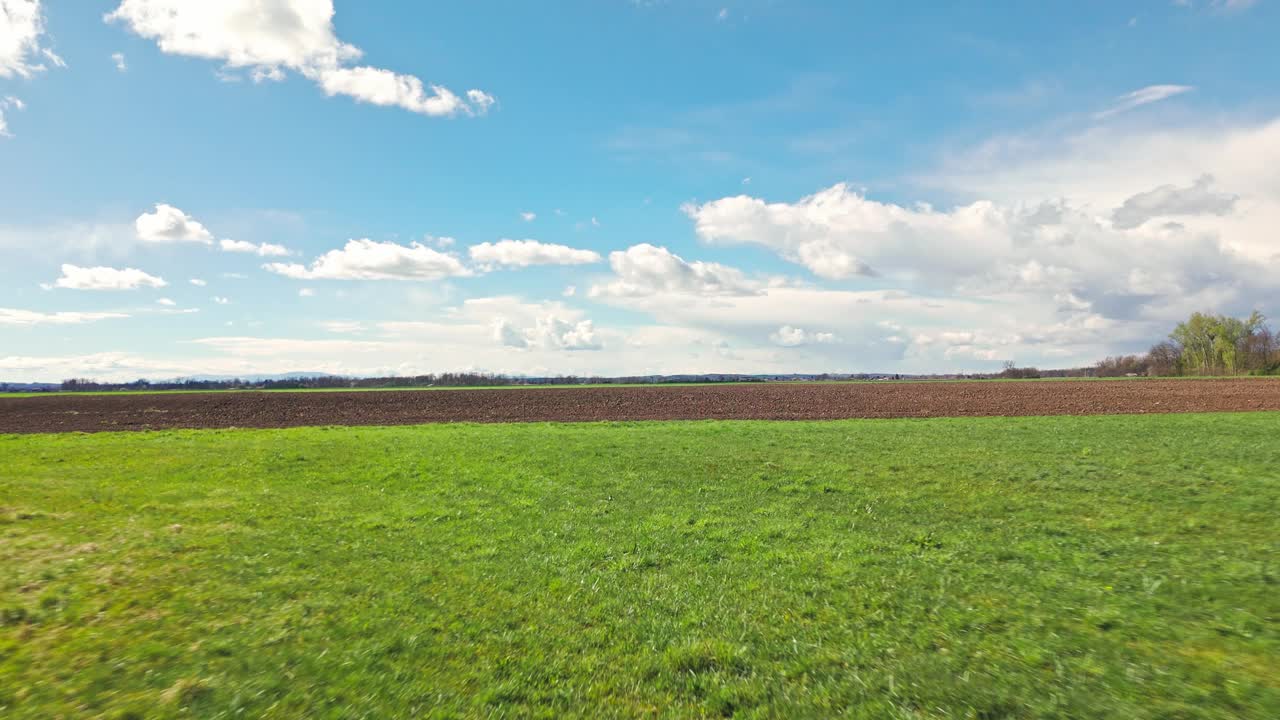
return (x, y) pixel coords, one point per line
(766, 401)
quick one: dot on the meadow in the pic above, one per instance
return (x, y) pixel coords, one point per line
(1035, 567)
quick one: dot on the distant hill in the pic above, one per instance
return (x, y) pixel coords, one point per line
(246, 378)
(28, 387)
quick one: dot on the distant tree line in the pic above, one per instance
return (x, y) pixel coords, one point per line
(1205, 344)
(333, 382)
(1011, 371)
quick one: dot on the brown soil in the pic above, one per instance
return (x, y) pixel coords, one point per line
(775, 401)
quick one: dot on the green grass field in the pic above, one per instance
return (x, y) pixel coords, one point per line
(1109, 567)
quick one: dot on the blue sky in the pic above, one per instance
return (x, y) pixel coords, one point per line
(626, 186)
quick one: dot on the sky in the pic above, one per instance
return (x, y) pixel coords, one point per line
(618, 187)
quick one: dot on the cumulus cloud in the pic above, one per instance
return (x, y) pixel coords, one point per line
(21, 32)
(1143, 96)
(197, 282)
(118, 60)
(1052, 251)
(1170, 200)
(168, 224)
(840, 233)
(528, 216)
(644, 269)
(75, 277)
(548, 333)
(293, 35)
(384, 87)
(523, 253)
(166, 302)
(788, 336)
(1063, 248)
(1097, 170)
(507, 335)
(261, 249)
(366, 259)
(504, 322)
(10, 316)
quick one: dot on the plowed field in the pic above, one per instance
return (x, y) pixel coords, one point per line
(775, 401)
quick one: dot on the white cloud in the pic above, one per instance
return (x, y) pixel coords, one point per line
(166, 302)
(168, 224)
(1173, 201)
(839, 233)
(75, 277)
(548, 333)
(503, 322)
(722, 15)
(272, 347)
(118, 59)
(21, 53)
(507, 335)
(1064, 248)
(109, 366)
(5, 104)
(1098, 169)
(261, 249)
(197, 282)
(21, 30)
(523, 253)
(295, 35)
(788, 336)
(643, 270)
(528, 216)
(481, 101)
(219, 300)
(1053, 251)
(1143, 96)
(366, 259)
(384, 87)
(306, 292)
(342, 326)
(10, 316)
